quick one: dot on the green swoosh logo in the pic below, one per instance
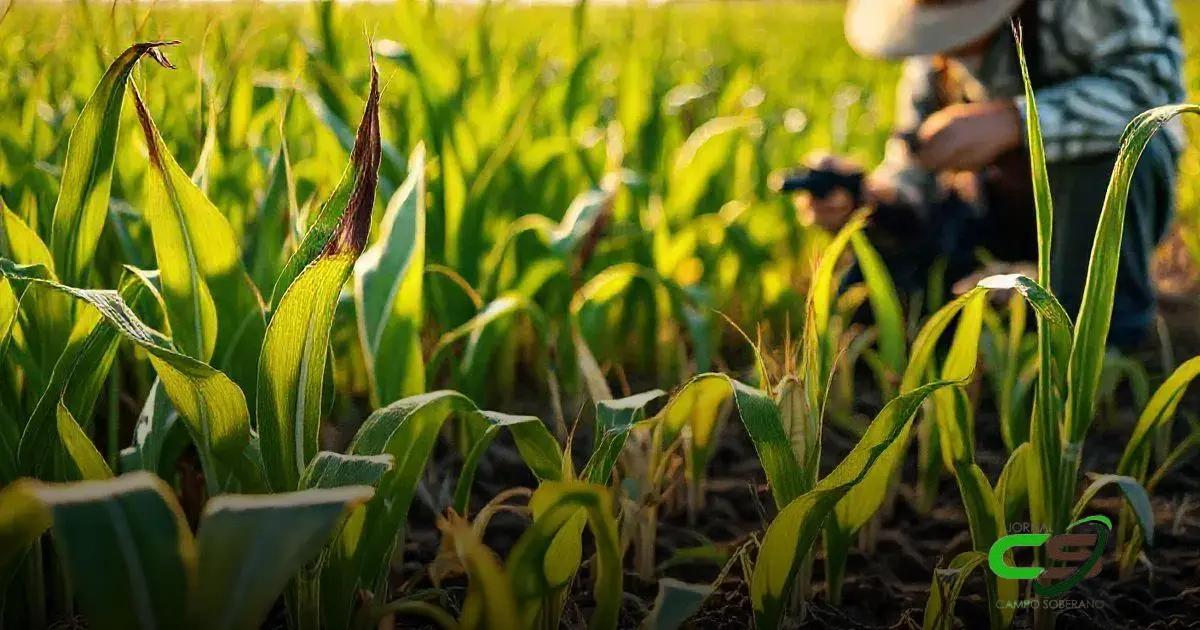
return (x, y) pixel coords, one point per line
(1054, 590)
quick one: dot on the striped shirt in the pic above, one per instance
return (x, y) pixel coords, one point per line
(1103, 63)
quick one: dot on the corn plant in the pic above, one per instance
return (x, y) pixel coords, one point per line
(1156, 417)
(133, 562)
(1071, 364)
(523, 592)
(283, 454)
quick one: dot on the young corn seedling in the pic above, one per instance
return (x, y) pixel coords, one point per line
(1011, 357)
(784, 431)
(1157, 417)
(527, 590)
(1071, 358)
(1071, 364)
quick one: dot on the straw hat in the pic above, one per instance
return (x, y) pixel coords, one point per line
(905, 28)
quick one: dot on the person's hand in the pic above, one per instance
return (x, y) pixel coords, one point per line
(968, 137)
(833, 210)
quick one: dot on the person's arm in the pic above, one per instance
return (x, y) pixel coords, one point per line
(1134, 56)
(899, 178)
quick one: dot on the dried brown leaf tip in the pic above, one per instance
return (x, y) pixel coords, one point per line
(355, 224)
(153, 50)
(143, 116)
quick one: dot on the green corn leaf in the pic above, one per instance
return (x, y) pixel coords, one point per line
(885, 303)
(985, 518)
(1043, 200)
(210, 302)
(1159, 412)
(342, 221)
(82, 203)
(1133, 541)
(490, 602)
(1095, 311)
(461, 243)
(947, 584)
(1012, 489)
(580, 222)
(704, 155)
(927, 339)
(863, 499)
(1045, 431)
(271, 222)
(407, 430)
(292, 370)
(23, 519)
(556, 505)
(211, 404)
(675, 603)
(20, 242)
(336, 470)
(537, 447)
(614, 420)
(791, 535)
(1135, 496)
(537, 224)
(159, 436)
(47, 325)
(291, 366)
(954, 415)
(1050, 313)
(75, 381)
(89, 464)
(601, 288)
(126, 548)
(822, 346)
(696, 406)
(480, 341)
(251, 545)
(388, 281)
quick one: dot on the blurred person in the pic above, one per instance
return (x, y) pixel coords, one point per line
(956, 179)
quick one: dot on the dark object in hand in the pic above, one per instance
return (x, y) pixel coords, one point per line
(818, 183)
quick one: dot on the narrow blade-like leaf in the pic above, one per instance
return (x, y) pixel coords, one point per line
(82, 202)
(210, 303)
(388, 280)
(291, 366)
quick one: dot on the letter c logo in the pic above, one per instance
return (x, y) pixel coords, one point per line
(999, 564)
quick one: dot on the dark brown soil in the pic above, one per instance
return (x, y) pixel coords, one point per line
(886, 588)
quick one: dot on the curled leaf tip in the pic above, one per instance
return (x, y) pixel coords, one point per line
(152, 49)
(1005, 281)
(355, 224)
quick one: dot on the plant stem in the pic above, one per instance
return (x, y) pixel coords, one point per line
(112, 442)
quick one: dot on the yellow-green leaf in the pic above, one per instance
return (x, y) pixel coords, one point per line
(291, 366)
(388, 280)
(82, 204)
